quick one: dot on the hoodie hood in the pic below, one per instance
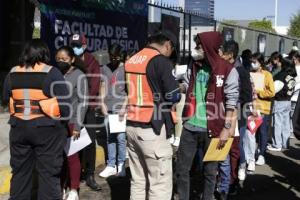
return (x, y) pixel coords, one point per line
(211, 42)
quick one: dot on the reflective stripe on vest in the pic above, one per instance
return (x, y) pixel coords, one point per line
(27, 91)
(140, 95)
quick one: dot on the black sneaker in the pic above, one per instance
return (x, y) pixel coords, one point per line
(233, 189)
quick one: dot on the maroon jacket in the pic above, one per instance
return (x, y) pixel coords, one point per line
(93, 76)
(215, 97)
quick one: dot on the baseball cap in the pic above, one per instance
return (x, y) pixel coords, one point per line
(78, 40)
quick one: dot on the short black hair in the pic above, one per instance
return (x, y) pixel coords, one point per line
(115, 49)
(158, 38)
(68, 50)
(246, 54)
(275, 55)
(231, 47)
(34, 51)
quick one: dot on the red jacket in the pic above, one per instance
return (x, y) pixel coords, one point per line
(215, 97)
(93, 76)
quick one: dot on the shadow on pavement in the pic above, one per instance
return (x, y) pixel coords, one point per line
(289, 170)
(262, 187)
(119, 186)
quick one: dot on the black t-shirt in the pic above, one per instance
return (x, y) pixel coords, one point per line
(166, 92)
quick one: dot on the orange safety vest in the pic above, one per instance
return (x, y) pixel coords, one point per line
(28, 100)
(140, 95)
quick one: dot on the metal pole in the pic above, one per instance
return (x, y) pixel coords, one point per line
(276, 12)
(190, 35)
(184, 37)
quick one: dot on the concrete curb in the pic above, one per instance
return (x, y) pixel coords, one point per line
(5, 176)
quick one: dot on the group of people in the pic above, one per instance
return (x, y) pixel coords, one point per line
(219, 93)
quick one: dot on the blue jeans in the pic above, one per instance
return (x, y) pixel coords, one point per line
(242, 131)
(116, 145)
(225, 169)
(293, 106)
(281, 120)
(262, 134)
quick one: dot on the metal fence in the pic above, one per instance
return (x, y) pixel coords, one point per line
(258, 41)
(190, 23)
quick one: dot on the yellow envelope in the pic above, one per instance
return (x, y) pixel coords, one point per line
(214, 154)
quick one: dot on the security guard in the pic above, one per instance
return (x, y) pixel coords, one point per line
(152, 92)
(36, 92)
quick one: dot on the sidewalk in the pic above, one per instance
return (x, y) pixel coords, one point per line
(279, 179)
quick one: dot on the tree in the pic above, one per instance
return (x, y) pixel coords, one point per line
(294, 29)
(262, 25)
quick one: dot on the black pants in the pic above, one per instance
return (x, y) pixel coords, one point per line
(40, 148)
(88, 154)
(189, 144)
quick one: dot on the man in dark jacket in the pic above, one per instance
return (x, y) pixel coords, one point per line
(212, 97)
(229, 168)
(79, 45)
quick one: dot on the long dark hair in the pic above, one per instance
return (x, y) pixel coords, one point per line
(260, 58)
(78, 63)
(35, 51)
(289, 67)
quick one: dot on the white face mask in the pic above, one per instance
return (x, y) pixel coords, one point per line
(255, 66)
(197, 54)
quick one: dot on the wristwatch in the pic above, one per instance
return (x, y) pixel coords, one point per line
(227, 125)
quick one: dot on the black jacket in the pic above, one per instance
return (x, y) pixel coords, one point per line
(245, 83)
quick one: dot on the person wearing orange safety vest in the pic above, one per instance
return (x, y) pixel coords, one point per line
(152, 92)
(36, 94)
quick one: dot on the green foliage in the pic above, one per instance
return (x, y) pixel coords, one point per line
(294, 29)
(36, 33)
(262, 25)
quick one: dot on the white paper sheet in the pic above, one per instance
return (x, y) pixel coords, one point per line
(115, 125)
(259, 80)
(180, 70)
(73, 146)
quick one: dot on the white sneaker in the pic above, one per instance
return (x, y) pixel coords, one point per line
(65, 194)
(121, 170)
(251, 166)
(172, 139)
(73, 195)
(242, 174)
(260, 160)
(108, 171)
(271, 148)
(176, 142)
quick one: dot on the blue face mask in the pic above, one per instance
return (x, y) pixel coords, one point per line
(78, 51)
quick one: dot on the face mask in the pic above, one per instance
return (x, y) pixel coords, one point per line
(255, 66)
(197, 54)
(78, 51)
(63, 67)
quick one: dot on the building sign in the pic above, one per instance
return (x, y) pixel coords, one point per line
(102, 22)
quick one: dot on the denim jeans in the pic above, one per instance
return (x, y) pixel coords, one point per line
(116, 145)
(242, 131)
(293, 106)
(224, 169)
(281, 120)
(249, 146)
(190, 142)
(262, 134)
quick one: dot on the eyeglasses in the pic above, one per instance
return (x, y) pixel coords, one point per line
(118, 58)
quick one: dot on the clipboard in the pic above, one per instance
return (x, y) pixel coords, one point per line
(214, 154)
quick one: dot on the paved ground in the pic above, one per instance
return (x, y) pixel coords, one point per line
(279, 179)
